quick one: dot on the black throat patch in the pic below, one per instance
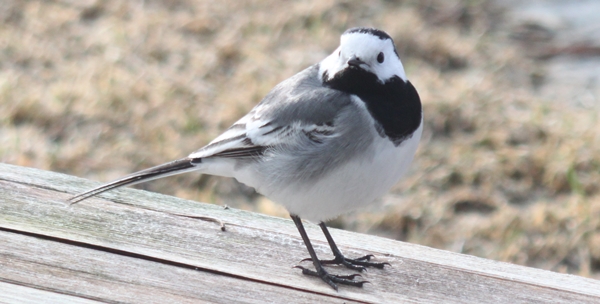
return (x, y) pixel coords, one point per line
(395, 105)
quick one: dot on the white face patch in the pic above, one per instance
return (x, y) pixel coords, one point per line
(365, 47)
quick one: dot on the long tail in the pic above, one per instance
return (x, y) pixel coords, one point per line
(171, 168)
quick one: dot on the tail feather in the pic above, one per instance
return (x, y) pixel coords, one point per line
(171, 168)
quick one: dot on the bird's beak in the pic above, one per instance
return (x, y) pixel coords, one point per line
(355, 62)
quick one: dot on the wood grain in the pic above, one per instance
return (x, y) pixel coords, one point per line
(139, 247)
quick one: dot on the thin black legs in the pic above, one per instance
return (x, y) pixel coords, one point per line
(330, 279)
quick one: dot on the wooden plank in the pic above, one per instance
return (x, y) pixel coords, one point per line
(78, 274)
(14, 293)
(263, 249)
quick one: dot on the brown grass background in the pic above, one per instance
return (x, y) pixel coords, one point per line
(100, 89)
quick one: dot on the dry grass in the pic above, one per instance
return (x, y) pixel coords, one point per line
(100, 89)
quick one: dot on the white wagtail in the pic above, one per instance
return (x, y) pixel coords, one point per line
(326, 141)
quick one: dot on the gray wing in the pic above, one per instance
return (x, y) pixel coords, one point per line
(302, 130)
(296, 109)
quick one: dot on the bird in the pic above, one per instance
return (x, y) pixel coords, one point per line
(329, 140)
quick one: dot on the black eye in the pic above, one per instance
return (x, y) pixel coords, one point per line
(340, 53)
(380, 58)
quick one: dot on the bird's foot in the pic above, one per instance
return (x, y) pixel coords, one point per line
(358, 264)
(332, 279)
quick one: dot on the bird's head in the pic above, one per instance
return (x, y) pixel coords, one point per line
(363, 51)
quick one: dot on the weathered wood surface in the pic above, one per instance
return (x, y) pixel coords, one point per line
(132, 246)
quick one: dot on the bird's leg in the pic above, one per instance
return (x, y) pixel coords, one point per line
(359, 264)
(330, 279)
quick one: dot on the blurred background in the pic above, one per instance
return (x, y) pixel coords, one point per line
(508, 167)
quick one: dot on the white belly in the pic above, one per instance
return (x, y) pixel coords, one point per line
(354, 185)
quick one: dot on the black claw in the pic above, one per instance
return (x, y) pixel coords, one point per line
(299, 267)
(366, 257)
(331, 279)
(350, 264)
(349, 277)
(358, 264)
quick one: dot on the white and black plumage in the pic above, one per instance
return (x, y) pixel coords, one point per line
(326, 141)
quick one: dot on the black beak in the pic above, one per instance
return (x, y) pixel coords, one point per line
(355, 62)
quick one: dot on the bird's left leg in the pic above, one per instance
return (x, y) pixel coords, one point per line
(359, 264)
